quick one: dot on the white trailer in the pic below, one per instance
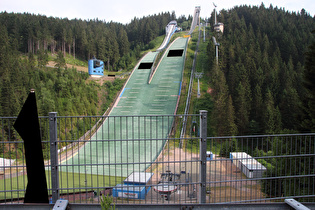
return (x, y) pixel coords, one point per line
(247, 164)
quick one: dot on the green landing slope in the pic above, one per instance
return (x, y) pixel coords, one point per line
(124, 144)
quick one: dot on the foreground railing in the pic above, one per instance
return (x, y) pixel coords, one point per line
(82, 166)
(279, 167)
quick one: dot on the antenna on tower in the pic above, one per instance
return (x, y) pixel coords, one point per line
(215, 13)
(218, 27)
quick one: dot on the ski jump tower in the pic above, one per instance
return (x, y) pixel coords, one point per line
(196, 20)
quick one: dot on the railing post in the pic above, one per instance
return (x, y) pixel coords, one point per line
(54, 156)
(203, 157)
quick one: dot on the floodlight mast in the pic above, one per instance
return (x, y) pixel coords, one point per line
(204, 32)
(216, 49)
(198, 75)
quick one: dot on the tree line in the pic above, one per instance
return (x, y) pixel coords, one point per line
(27, 39)
(114, 43)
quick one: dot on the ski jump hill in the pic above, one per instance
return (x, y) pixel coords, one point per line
(139, 139)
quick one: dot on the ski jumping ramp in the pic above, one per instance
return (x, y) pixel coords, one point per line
(139, 139)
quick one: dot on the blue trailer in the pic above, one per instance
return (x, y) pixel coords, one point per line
(134, 187)
(96, 67)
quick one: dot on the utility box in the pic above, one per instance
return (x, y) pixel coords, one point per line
(138, 178)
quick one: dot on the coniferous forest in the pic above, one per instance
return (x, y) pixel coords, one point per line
(259, 82)
(260, 86)
(264, 84)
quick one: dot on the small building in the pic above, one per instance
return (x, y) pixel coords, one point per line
(96, 67)
(209, 155)
(5, 163)
(247, 164)
(219, 27)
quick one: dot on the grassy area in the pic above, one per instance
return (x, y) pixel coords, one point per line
(15, 186)
(186, 76)
(69, 60)
(201, 66)
(185, 83)
(156, 43)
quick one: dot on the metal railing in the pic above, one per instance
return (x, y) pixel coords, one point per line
(83, 166)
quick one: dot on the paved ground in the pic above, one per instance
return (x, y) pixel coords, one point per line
(223, 180)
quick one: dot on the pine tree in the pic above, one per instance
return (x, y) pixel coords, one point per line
(101, 49)
(5, 84)
(272, 115)
(220, 95)
(211, 54)
(257, 111)
(60, 60)
(231, 128)
(123, 42)
(242, 110)
(42, 58)
(310, 85)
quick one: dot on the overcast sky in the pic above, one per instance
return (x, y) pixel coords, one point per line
(124, 11)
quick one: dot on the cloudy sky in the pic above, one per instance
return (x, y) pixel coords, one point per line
(124, 10)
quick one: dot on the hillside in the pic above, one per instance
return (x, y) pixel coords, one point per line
(258, 85)
(257, 88)
(29, 41)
